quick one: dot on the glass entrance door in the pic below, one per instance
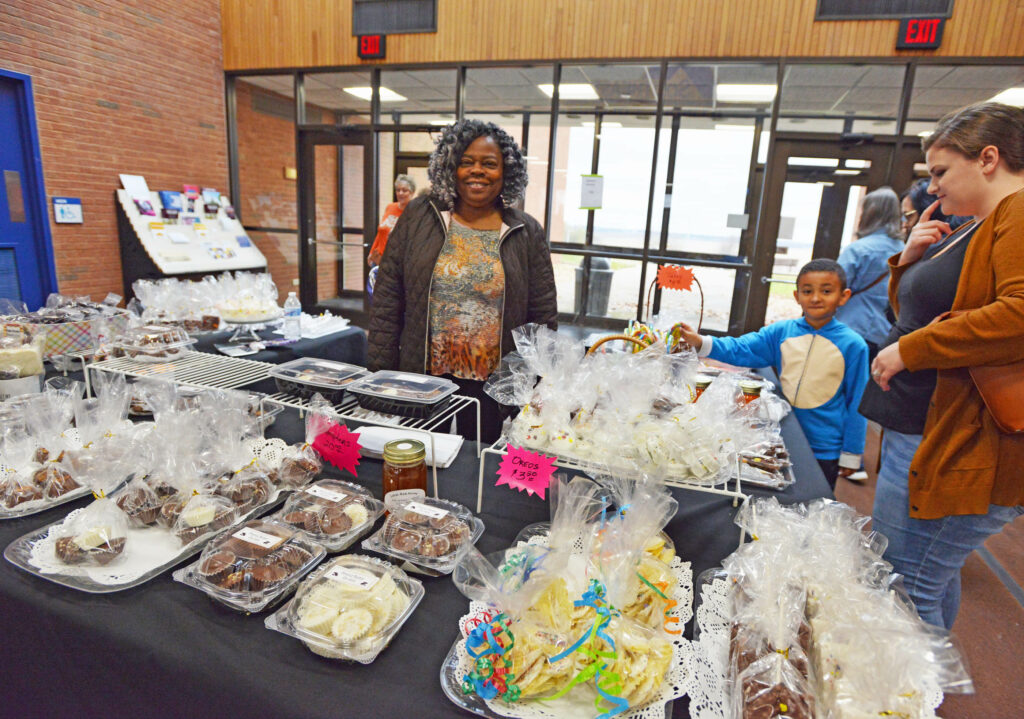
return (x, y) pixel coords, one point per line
(812, 204)
(337, 220)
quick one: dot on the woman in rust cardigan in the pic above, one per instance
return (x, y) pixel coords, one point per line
(942, 493)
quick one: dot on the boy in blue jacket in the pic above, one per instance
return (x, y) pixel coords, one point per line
(822, 365)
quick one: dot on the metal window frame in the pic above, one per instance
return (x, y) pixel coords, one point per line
(748, 263)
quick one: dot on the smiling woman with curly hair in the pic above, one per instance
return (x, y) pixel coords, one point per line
(462, 269)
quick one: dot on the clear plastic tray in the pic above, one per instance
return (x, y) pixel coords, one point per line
(332, 512)
(427, 532)
(408, 395)
(306, 376)
(149, 551)
(250, 567)
(349, 608)
(35, 506)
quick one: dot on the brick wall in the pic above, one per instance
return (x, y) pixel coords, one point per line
(266, 146)
(120, 87)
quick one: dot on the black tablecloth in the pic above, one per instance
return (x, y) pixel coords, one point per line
(348, 345)
(164, 649)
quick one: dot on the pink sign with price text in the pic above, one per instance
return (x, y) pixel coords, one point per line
(526, 471)
(339, 447)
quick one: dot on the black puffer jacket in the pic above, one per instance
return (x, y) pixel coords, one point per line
(398, 332)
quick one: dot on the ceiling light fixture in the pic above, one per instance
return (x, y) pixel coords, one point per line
(1011, 96)
(365, 93)
(570, 90)
(745, 93)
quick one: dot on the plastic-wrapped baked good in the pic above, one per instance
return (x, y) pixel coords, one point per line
(249, 567)
(200, 515)
(154, 343)
(97, 535)
(350, 608)
(430, 532)
(332, 512)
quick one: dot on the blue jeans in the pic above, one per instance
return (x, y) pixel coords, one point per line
(927, 552)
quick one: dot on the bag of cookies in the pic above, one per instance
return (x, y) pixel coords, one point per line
(300, 463)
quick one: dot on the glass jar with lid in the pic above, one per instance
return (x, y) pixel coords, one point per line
(405, 471)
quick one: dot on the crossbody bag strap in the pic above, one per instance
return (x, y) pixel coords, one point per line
(877, 280)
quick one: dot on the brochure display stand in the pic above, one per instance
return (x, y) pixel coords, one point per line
(193, 245)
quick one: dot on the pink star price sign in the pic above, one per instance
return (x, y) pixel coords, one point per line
(339, 447)
(526, 471)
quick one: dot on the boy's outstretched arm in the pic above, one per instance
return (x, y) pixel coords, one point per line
(754, 349)
(855, 380)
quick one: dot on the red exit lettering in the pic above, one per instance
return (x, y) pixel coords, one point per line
(921, 31)
(369, 44)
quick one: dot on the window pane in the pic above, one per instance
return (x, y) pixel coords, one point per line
(282, 252)
(337, 98)
(608, 87)
(627, 145)
(574, 147)
(266, 147)
(416, 91)
(498, 89)
(720, 87)
(684, 306)
(565, 280)
(939, 89)
(712, 164)
(537, 165)
(842, 90)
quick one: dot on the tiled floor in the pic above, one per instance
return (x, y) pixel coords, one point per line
(990, 626)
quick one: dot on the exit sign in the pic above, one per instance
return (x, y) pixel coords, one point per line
(920, 33)
(371, 47)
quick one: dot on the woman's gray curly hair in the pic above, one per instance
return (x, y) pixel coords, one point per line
(451, 145)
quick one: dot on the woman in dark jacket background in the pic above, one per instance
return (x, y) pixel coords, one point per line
(462, 269)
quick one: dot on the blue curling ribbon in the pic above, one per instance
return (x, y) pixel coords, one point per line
(604, 681)
(482, 637)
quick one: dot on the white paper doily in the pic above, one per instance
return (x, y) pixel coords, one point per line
(147, 552)
(580, 701)
(710, 657)
(267, 452)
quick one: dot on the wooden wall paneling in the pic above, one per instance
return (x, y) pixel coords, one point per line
(265, 34)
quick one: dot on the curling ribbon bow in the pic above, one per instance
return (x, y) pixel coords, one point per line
(488, 681)
(607, 683)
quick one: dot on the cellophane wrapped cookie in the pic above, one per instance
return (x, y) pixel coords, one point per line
(300, 463)
(252, 565)
(332, 512)
(350, 608)
(96, 535)
(820, 626)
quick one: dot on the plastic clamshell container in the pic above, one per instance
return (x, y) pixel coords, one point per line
(416, 396)
(306, 376)
(331, 512)
(427, 532)
(349, 608)
(154, 343)
(250, 566)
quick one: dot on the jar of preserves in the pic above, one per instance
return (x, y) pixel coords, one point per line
(700, 383)
(751, 390)
(405, 471)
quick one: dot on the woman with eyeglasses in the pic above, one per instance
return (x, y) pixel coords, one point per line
(949, 478)
(915, 201)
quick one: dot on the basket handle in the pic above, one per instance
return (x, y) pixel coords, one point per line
(612, 338)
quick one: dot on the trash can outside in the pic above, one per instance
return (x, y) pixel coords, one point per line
(600, 287)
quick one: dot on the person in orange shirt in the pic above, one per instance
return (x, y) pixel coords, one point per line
(405, 188)
(945, 487)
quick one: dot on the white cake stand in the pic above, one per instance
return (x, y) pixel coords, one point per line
(246, 330)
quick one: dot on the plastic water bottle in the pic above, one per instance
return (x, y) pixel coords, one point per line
(292, 317)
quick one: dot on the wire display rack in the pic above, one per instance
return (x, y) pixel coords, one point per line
(349, 409)
(499, 449)
(198, 369)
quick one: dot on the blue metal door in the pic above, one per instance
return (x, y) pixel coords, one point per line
(26, 260)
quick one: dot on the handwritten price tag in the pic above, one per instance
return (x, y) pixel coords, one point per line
(675, 277)
(339, 447)
(526, 471)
